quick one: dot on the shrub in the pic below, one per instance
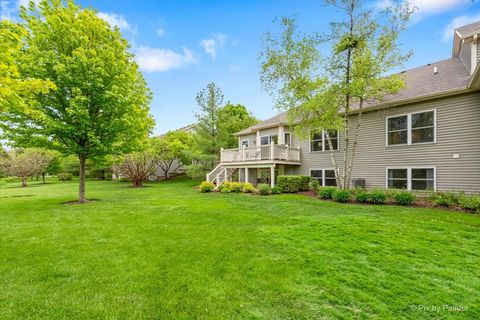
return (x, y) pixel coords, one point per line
(236, 187)
(314, 185)
(225, 184)
(392, 193)
(377, 196)
(304, 183)
(405, 198)
(362, 196)
(248, 188)
(264, 189)
(276, 190)
(206, 186)
(341, 195)
(65, 176)
(12, 179)
(445, 199)
(326, 192)
(226, 190)
(470, 203)
(289, 184)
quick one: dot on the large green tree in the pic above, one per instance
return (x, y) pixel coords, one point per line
(331, 91)
(101, 102)
(16, 91)
(233, 118)
(207, 133)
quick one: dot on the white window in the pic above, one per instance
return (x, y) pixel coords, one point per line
(412, 128)
(326, 177)
(268, 139)
(411, 178)
(319, 141)
(245, 143)
(288, 139)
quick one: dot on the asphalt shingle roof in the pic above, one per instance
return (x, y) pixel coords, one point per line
(421, 81)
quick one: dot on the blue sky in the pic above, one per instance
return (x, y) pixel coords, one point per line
(181, 46)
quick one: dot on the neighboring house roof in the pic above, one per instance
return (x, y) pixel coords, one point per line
(188, 128)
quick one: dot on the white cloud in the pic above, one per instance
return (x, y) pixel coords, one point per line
(116, 20)
(161, 60)
(211, 45)
(458, 22)
(160, 32)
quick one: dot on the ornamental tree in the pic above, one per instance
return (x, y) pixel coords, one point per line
(330, 91)
(100, 105)
(137, 167)
(27, 163)
(171, 151)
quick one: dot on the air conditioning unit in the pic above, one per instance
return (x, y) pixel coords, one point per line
(358, 183)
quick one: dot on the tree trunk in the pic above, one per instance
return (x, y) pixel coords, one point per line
(81, 187)
(24, 182)
(43, 177)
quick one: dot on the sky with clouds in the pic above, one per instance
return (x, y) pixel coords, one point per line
(181, 46)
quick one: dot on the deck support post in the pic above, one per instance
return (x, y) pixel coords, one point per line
(272, 150)
(272, 176)
(246, 175)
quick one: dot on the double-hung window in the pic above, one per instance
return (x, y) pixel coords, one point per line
(288, 138)
(326, 177)
(245, 143)
(411, 128)
(421, 178)
(319, 141)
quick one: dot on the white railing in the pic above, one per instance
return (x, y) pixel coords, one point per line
(212, 176)
(257, 153)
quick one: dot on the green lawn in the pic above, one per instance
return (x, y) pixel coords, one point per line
(167, 251)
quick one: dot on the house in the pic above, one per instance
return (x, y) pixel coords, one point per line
(426, 137)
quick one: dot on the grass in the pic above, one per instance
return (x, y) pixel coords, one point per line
(168, 251)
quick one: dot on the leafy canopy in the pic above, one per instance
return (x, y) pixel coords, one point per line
(100, 104)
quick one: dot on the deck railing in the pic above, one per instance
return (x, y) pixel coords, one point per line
(263, 152)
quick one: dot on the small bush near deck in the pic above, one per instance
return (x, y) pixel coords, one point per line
(377, 196)
(289, 184)
(225, 184)
(236, 187)
(445, 199)
(326, 192)
(65, 176)
(226, 190)
(341, 195)
(405, 198)
(276, 190)
(264, 189)
(313, 185)
(206, 186)
(248, 188)
(470, 203)
(362, 196)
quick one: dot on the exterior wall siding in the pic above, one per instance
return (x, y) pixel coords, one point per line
(458, 132)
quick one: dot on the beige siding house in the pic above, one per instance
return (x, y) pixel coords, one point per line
(426, 137)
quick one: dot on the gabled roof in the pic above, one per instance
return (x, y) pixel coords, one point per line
(452, 75)
(468, 30)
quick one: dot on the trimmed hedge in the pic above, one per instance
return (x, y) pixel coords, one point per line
(292, 184)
